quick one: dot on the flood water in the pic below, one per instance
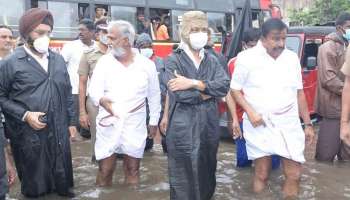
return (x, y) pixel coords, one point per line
(319, 180)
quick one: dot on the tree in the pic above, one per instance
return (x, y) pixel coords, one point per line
(322, 11)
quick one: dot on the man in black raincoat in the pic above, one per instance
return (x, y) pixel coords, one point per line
(35, 96)
(195, 80)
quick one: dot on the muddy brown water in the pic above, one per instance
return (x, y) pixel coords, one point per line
(320, 181)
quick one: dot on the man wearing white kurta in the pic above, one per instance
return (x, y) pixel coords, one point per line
(121, 82)
(72, 52)
(270, 77)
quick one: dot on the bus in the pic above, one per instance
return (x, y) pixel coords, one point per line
(222, 15)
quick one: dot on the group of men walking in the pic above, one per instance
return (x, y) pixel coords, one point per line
(109, 87)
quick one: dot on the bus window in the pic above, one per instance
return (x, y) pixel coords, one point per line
(143, 24)
(84, 11)
(124, 13)
(38, 4)
(66, 22)
(216, 6)
(176, 18)
(160, 24)
(188, 4)
(217, 22)
(255, 18)
(101, 13)
(42, 4)
(230, 23)
(10, 14)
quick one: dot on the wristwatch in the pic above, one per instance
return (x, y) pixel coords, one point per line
(308, 125)
(195, 82)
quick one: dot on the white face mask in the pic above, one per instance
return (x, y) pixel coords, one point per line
(41, 44)
(118, 52)
(346, 35)
(103, 39)
(198, 40)
(147, 52)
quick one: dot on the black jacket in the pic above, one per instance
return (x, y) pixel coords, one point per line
(42, 158)
(193, 131)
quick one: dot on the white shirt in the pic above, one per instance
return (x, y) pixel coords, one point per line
(269, 85)
(72, 53)
(187, 50)
(43, 61)
(127, 87)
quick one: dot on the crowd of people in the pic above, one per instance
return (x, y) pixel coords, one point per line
(157, 26)
(109, 84)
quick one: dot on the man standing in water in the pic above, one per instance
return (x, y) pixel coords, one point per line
(271, 123)
(121, 82)
(195, 81)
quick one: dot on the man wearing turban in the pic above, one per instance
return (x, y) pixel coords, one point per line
(195, 81)
(36, 99)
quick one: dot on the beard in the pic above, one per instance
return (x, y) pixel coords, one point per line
(8, 47)
(118, 52)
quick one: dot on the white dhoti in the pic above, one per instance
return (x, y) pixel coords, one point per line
(282, 135)
(271, 87)
(127, 87)
(127, 136)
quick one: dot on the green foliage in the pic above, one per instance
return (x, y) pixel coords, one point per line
(322, 11)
